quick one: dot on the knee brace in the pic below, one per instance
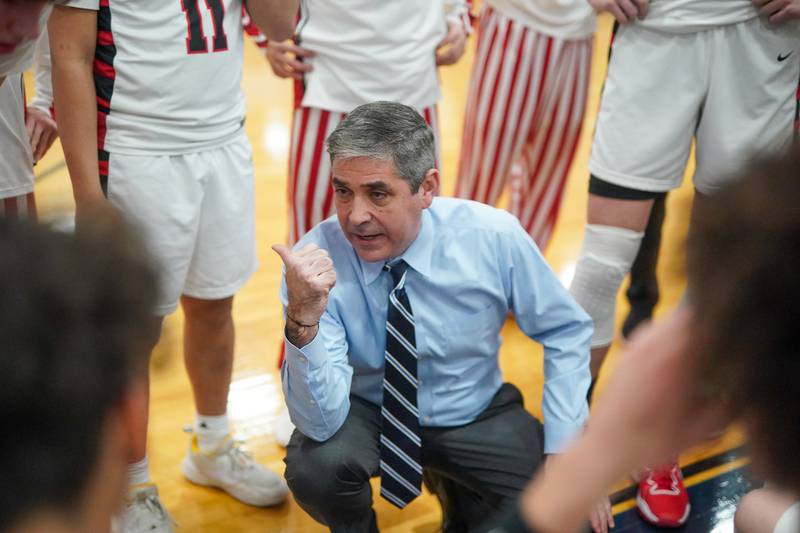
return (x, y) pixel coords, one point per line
(606, 257)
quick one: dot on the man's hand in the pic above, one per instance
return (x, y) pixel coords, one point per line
(778, 11)
(625, 11)
(285, 58)
(601, 516)
(42, 131)
(450, 50)
(309, 279)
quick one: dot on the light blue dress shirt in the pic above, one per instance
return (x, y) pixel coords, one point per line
(469, 266)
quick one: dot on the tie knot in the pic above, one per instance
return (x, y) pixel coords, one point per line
(397, 270)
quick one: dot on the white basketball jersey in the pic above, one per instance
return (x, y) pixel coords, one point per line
(167, 74)
(564, 19)
(369, 50)
(686, 16)
(16, 159)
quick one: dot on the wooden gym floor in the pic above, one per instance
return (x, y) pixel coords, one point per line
(715, 471)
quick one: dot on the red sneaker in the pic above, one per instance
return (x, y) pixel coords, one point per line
(662, 499)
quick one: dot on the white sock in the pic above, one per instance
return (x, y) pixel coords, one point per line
(210, 431)
(139, 472)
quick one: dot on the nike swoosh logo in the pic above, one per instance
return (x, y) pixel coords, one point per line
(782, 57)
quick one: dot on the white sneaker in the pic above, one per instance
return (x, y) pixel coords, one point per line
(144, 513)
(283, 427)
(236, 472)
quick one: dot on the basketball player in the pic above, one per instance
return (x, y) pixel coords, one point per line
(715, 71)
(26, 133)
(525, 106)
(157, 84)
(73, 316)
(391, 53)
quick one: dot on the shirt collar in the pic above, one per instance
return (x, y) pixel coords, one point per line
(417, 255)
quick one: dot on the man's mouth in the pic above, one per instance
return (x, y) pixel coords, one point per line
(367, 237)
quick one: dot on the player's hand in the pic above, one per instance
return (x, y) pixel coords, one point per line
(91, 211)
(778, 11)
(601, 516)
(452, 47)
(286, 59)
(310, 276)
(42, 131)
(625, 11)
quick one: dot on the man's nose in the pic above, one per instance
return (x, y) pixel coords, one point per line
(360, 212)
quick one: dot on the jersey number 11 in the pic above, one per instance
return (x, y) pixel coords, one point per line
(196, 42)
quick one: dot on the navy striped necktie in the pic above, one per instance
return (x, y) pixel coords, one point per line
(401, 464)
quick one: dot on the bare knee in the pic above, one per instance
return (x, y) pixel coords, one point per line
(209, 312)
(760, 510)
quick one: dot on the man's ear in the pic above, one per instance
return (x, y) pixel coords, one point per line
(429, 187)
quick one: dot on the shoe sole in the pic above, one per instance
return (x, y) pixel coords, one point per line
(195, 476)
(651, 518)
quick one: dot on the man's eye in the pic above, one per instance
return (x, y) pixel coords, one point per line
(379, 195)
(340, 191)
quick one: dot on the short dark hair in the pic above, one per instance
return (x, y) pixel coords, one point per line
(390, 131)
(73, 317)
(744, 284)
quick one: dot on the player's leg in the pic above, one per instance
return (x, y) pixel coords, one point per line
(640, 149)
(224, 258)
(643, 290)
(767, 510)
(553, 138)
(752, 99)
(154, 195)
(510, 63)
(310, 193)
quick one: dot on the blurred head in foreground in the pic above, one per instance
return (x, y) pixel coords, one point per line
(72, 313)
(744, 272)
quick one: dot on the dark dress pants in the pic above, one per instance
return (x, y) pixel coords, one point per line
(475, 470)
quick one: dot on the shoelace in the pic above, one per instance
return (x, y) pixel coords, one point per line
(153, 504)
(242, 460)
(663, 478)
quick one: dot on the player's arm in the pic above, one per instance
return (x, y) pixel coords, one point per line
(274, 17)
(72, 46)
(459, 26)
(39, 121)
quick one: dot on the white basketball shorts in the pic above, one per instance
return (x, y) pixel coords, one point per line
(197, 215)
(733, 88)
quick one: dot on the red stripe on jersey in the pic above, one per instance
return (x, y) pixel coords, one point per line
(105, 38)
(102, 68)
(104, 3)
(312, 183)
(103, 102)
(102, 166)
(296, 174)
(481, 86)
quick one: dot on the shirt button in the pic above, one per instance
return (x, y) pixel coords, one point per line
(302, 359)
(312, 402)
(426, 419)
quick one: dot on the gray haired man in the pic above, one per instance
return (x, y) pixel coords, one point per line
(393, 314)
